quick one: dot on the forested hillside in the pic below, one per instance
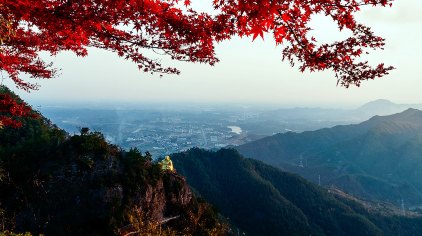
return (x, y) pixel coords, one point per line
(55, 184)
(262, 200)
(378, 159)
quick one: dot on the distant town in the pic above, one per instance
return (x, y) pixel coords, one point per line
(162, 131)
(167, 135)
(159, 132)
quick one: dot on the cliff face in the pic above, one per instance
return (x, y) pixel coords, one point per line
(75, 191)
(163, 200)
(56, 184)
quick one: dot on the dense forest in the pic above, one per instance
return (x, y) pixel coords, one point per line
(53, 183)
(377, 160)
(263, 200)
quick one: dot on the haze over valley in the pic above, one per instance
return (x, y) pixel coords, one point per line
(163, 129)
(268, 170)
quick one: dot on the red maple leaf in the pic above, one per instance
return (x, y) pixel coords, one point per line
(30, 27)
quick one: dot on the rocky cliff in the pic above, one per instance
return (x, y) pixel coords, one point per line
(53, 183)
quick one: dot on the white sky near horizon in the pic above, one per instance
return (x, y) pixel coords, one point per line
(249, 72)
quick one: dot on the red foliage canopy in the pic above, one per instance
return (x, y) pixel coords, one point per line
(131, 27)
(10, 109)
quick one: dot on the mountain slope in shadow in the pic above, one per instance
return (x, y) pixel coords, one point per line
(378, 159)
(262, 200)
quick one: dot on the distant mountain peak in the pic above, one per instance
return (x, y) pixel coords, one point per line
(378, 103)
(384, 107)
(409, 112)
(410, 115)
(412, 111)
(381, 100)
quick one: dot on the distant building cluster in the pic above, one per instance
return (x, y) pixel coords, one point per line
(165, 136)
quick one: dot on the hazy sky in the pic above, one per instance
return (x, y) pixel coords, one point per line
(250, 72)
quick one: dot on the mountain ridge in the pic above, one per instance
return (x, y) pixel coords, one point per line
(263, 200)
(53, 183)
(350, 149)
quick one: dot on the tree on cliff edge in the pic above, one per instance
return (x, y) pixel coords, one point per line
(171, 27)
